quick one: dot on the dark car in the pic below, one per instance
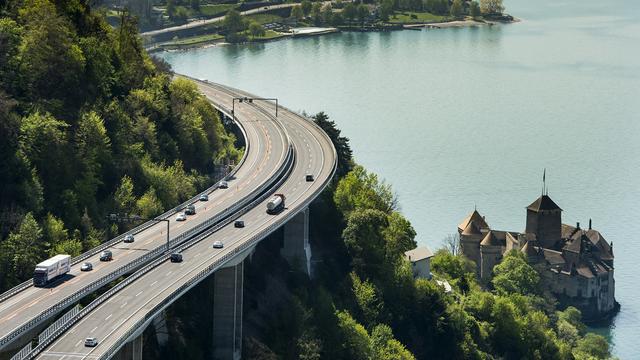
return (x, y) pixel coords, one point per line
(223, 185)
(204, 197)
(190, 210)
(106, 256)
(239, 224)
(309, 177)
(128, 238)
(176, 257)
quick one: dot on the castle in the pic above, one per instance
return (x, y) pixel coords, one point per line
(576, 264)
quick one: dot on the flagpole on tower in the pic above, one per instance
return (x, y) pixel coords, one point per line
(544, 180)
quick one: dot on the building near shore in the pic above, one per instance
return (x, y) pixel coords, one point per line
(420, 259)
(576, 264)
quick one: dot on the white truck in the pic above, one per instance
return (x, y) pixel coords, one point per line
(50, 269)
(275, 204)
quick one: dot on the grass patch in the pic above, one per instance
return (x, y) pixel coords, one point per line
(405, 17)
(194, 40)
(216, 9)
(269, 34)
(264, 18)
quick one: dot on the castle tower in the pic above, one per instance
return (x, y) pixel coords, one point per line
(544, 219)
(471, 231)
(490, 255)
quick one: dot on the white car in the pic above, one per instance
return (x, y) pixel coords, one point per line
(181, 217)
(217, 245)
(223, 185)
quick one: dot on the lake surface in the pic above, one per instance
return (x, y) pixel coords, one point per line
(457, 118)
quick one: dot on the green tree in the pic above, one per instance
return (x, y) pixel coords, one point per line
(195, 5)
(491, 7)
(368, 299)
(256, 30)
(22, 250)
(69, 247)
(361, 189)
(350, 11)
(356, 343)
(306, 6)
(316, 13)
(399, 236)
(592, 346)
(297, 13)
(514, 275)
(362, 12)
(124, 198)
(233, 22)
(51, 62)
(452, 266)
(474, 9)
(386, 9)
(54, 230)
(341, 143)
(457, 8)
(171, 8)
(149, 205)
(385, 346)
(364, 241)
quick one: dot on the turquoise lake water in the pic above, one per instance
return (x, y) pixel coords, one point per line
(454, 118)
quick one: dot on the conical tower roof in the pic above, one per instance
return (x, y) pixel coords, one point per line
(474, 218)
(490, 240)
(471, 230)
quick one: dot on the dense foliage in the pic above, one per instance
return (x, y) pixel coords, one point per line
(365, 303)
(90, 125)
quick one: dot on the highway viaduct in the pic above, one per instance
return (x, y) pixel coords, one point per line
(289, 145)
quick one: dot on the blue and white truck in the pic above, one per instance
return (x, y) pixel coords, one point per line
(50, 269)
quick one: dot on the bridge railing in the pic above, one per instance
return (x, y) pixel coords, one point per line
(223, 260)
(26, 284)
(285, 170)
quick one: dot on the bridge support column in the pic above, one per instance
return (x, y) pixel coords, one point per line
(131, 350)
(160, 325)
(296, 249)
(227, 312)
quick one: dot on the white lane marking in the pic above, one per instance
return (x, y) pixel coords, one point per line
(78, 343)
(153, 283)
(94, 329)
(138, 294)
(108, 317)
(196, 255)
(169, 273)
(123, 305)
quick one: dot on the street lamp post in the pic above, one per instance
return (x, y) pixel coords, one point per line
(250, 101)
(131, 218)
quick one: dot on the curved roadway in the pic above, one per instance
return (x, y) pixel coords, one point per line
(118, 318)
(266, 153)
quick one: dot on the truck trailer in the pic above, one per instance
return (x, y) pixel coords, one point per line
(275, 204)
(50, 269)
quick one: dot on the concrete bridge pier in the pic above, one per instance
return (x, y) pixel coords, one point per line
(296, 249)
(227, 310)
(131, 350)
(160, 325)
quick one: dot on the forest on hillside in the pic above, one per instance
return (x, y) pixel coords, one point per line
(90, 125)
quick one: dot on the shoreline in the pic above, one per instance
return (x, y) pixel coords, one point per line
(306, 32)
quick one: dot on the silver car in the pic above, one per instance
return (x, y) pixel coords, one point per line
(181, 217)
(86, 267)
(218, 245)
(90, 342)
(223, 185)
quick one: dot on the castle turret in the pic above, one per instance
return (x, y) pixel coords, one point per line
(544, 219)
(472, 230)
(490, 255)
